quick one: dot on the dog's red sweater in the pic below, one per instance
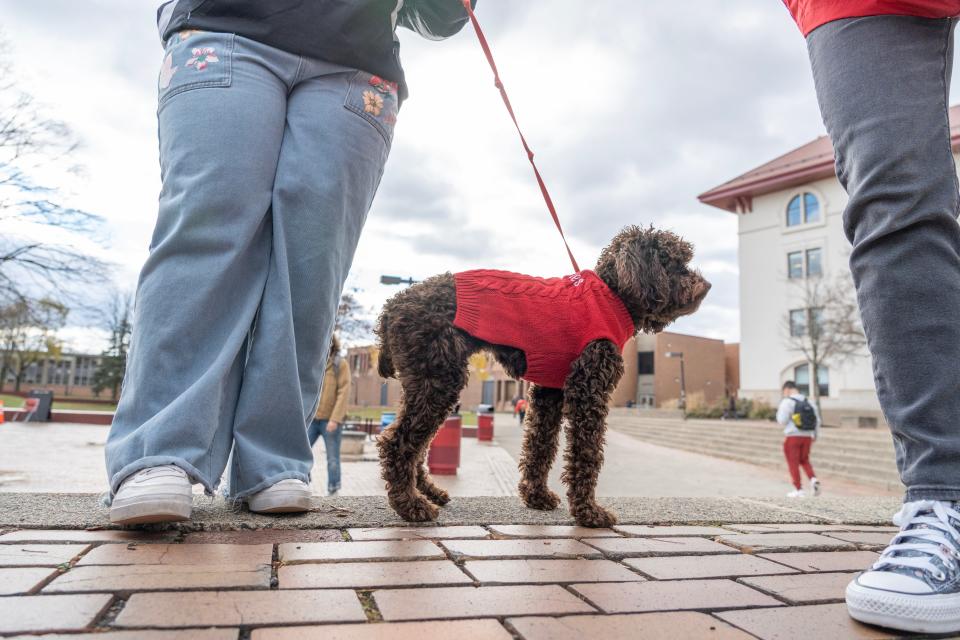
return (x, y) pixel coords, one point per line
(550, 319)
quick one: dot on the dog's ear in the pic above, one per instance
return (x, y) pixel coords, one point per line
(641, 276)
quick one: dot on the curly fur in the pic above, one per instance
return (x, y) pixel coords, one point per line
(648, 269)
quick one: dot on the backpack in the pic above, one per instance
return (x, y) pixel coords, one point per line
(804, 416)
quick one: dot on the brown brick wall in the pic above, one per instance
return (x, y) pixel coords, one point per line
(705, 361)
(732, 366)
(704, 365)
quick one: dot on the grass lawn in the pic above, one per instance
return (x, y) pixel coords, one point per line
(13, 402)
(373, 413)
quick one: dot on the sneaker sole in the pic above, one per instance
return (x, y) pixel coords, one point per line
(294, 501)
(150, 510)
(937, 613)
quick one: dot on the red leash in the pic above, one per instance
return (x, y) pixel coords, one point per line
(506, 101)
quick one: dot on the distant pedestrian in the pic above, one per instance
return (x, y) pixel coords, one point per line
(331, 411)
(520, 409)
(801, 426)
(730, 413)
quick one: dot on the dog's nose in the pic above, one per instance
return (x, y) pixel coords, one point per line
(705, 287)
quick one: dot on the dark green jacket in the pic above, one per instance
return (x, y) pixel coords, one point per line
(355, 33)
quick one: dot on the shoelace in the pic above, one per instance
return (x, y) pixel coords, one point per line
(925, 529)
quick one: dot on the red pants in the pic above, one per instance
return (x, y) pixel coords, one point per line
(797, 451)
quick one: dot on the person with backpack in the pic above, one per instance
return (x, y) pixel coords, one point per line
(801, 426)
(331, 412)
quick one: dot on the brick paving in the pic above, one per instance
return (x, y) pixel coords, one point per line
(465, 581)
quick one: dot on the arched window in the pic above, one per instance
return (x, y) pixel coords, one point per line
(803, 209)
(801, 375)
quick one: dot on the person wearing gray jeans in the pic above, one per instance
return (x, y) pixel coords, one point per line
(883, 85)
(275, 123)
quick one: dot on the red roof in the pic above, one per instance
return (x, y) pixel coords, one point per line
(812, 161)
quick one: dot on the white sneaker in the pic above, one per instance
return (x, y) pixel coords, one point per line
(797, 493)
(816, 486)
(286, 496)
(157, 494)
(915, 585)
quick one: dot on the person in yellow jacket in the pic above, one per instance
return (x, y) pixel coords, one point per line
(328, 421)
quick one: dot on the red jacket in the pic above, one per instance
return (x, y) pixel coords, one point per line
(810, 14)
(550, 319)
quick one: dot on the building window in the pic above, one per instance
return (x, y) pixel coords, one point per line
(645, 363)
(798, 322)
(816, 320)
(795, 265)
(814, 262)
(803, 209)
(802, 319)
(811, 208)
(801, 376)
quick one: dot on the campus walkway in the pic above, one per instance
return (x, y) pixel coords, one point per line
(681, 568)
(57, 457)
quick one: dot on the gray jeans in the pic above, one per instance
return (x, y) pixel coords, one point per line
(269, 163)
(883, 84)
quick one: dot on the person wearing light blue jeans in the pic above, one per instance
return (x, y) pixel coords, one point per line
(269, 161)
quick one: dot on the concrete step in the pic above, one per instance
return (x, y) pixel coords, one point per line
(824, 458)
(824, 447)
(857, 468)
(752, 427)
(775, 439)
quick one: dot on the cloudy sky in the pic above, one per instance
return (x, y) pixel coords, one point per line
(633, 109)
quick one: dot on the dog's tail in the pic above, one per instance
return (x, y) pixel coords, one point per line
(385, 360)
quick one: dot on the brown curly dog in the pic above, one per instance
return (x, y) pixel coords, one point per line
(645, 269)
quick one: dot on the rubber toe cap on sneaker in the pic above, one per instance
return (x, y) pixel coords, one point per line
(890, 581)
(286, 496)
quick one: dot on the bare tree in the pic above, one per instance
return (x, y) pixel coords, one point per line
(32, 263)
(28, 335)
(117, 318)
(824, 326)
(353, 320)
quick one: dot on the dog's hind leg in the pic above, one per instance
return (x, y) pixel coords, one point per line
(592, 378)
(425, 484)
(540, 437)
(426, 403)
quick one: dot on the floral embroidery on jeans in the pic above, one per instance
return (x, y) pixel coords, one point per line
(372, 103)
(383, 86)
(167, 71)
(202, 56)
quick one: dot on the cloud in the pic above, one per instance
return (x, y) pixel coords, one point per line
(633, 108)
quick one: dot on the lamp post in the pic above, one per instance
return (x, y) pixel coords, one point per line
(397, 280)
(683, 383)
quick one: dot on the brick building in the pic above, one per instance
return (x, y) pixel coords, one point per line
(651, 378)
(69, 374)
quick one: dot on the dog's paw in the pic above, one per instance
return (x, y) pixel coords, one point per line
(541, 498)
(594, 516)
(436, 495)
(418, 510)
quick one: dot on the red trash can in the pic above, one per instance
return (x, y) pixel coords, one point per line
(444, 455)
(485, 427)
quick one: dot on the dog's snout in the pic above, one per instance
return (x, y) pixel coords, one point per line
(704, 287)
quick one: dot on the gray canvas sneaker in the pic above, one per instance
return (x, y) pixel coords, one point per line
(915, 585)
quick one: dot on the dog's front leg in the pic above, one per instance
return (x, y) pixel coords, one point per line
(586, 392)
(540, 436)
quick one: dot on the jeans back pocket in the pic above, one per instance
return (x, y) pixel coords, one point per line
(375, 100)
(194, 60)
